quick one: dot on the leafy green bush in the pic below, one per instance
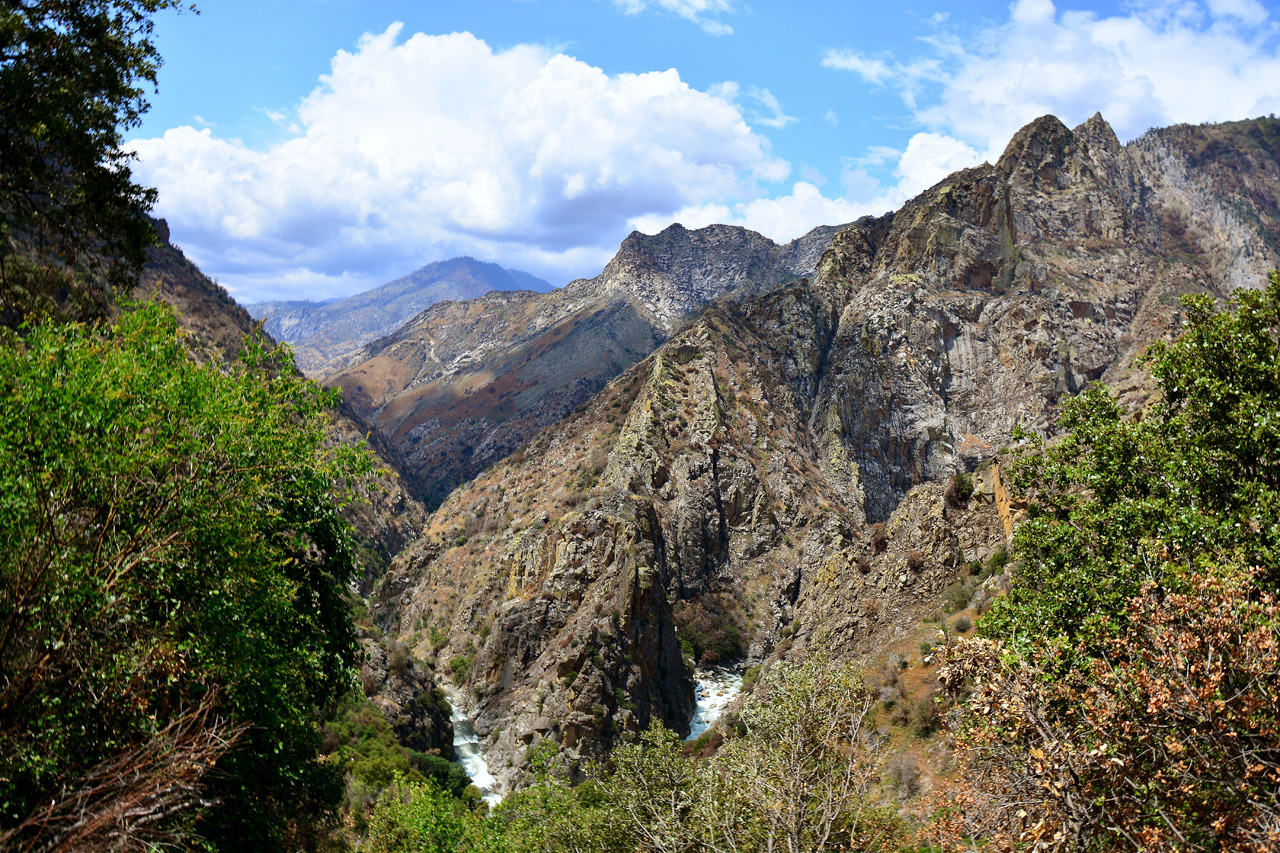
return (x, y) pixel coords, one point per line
(1140, 629)
(957, 595)
(995, 563)
(959, 490)
(169, 546)
(449, 776)
(460, 666)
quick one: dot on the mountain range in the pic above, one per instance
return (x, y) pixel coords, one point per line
(463, 384)
(775, 471)
(723, 447)
(323, 333)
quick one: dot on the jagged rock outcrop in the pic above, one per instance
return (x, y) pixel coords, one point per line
(779, 464)
(464, 384)
(415, 708)
(325, 335)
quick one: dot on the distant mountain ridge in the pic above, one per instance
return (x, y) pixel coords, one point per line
(464, 384)
(322, 333)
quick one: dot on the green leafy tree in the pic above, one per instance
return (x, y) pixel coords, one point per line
(72, 77)
(1129, 700)
(803, 776)
(553, 816)
(654, 791)
(1123, 501)
(169, 552)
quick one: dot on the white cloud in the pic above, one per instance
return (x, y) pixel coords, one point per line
(413, 150)
(774, 117)
(1250, 12)
(928, 158)
(908, 77)
(700, 12)
(780, 219)
(877, 155)
(1161, 62)
(871, 70)
(770, 112)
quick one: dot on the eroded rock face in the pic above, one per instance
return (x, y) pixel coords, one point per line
(780, 462)
(415, 709)
(464, 384)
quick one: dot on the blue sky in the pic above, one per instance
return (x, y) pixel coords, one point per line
(314, 148)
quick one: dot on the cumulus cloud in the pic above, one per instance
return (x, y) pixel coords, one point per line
(435, 145)
(928, 158)
(701, 12)
(1161, 62)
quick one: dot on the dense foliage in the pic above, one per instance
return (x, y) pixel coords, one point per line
(1131, 696)
(799, 778)
(171, 571)
(74, 224)
(1192, 483)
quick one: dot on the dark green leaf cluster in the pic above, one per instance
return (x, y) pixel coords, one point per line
(167, 541)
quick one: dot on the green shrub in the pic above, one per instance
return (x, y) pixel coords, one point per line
(460, 666)
(995, 563)
(959, 490)
(956, 597)
(170, 547)
(450, 776)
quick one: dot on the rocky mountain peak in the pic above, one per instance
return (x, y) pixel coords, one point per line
(776, 472)
(462, 385)
(1046, 155)
(1098, 134)
(673, 274)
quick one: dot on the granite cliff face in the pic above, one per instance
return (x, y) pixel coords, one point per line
(464, 384)
(325, 335)
(775, 471)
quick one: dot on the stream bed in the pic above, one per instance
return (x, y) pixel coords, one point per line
(469, 753)
(714, 690)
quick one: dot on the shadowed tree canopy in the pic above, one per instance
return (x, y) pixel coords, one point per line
(72, 77)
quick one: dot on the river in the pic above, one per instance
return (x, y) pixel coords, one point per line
(470, 754)
(715, 689)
